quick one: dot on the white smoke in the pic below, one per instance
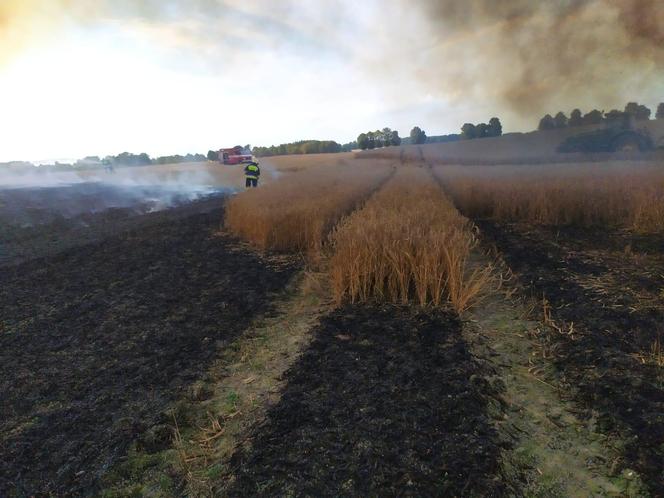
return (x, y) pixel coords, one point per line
(30, 195)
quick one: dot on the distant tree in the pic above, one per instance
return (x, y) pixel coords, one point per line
(468, 131)
(395, 139)
(593, 117)
(129, 159)
(575, 119)
(417, 136)
(371, 140)
(495, 127)
(481, 130)
(349, 146)
(560, 120)
(386, 136)
(660, 111)
(615, 114)
(212, 155)
(363, 141)
(640, 112)
(378, 139)
(546, 123)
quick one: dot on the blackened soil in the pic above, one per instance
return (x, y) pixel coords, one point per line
(98, 340)
(387, 401)
(40, 222)
(614, 299)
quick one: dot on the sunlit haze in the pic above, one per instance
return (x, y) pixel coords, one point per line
(186, 76)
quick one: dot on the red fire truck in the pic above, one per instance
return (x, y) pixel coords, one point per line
(235, 155)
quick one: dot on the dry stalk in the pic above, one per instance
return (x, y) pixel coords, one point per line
(295, 214)
(408, 243)
(583, 195)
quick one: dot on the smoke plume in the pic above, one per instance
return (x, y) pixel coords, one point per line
(522, 57)
(537, 56)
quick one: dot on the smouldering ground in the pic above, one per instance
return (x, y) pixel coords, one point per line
(98, 340)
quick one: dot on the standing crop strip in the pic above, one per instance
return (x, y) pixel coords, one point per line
(296, 213)
(629, 196)
(408, 243)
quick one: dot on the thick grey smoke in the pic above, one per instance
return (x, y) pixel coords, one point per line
(535, 56)
(520, 57)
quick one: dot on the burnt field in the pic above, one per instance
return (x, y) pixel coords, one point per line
(603, 290)
(36, 221)
(387, 401)
(106, 319)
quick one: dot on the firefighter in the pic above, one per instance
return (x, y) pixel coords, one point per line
(251, 173)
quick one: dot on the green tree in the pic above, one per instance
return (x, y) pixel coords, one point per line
(386, 136)
(593, 117)
(575, 119)
(371, 140)
(481, 130)
(660, 111)
(212, 155)
(546, 123)
(350, 146)
(395, 139)
(560, 120)
(615, 114)
(495, 127)
(417, 136)
(468, 131)
(363, 141)
(378, 139)
(640, 112)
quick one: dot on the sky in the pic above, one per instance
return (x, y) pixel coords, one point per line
(98, 77)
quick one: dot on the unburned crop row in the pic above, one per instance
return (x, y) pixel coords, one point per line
(586, 195)
(296, 213)
(408, 243)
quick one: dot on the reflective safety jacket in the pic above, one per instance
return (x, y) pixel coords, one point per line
(252, 171)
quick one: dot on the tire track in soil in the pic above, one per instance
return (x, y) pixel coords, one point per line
(387, 401)
(597, 363)
(98, 340)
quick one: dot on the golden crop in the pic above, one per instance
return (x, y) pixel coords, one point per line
(585, 195)
(408, 243)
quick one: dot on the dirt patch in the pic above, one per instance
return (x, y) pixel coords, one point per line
(386, 401)
(98, 340)
(609, 312)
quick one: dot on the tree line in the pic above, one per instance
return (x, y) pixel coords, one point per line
(471, 131)
(126, 159)
(633, 110)
(377, 139)
(301, 147)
